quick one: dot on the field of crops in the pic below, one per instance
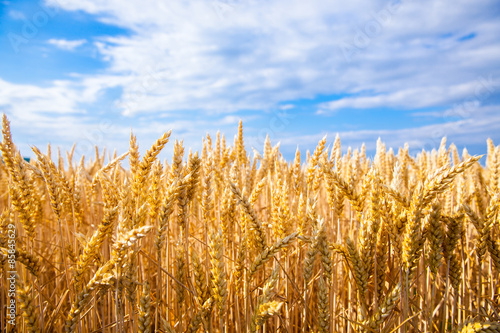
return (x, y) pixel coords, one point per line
(227, 241)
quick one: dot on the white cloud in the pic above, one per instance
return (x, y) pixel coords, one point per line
(463, 132)
(420, 97)
(56, 114)
(67, 45)
(287, 107)
(15, 14)
(27, 100)
(220, 57)
(225, 56)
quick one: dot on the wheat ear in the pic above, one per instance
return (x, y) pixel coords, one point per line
(26, 304)
(269, 252)
(144, 321)
(484, 327)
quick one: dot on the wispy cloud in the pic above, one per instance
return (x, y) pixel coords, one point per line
(253, 57)
(68, 45)
(225, 59)
(16, 14)
(27, 101)
(464, 132)
(411, 98)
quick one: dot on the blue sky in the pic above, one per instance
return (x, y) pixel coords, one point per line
(89, 71)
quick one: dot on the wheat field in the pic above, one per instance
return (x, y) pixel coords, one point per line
(223, 241)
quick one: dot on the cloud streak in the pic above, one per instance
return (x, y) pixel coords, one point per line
(68, 45)
(211, 60)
